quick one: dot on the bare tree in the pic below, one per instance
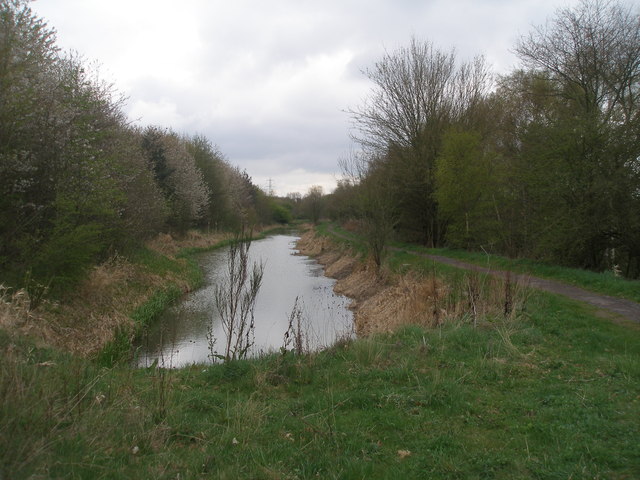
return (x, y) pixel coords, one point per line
(416, 86)
(235, 299)
(592, 52)
(418, 93)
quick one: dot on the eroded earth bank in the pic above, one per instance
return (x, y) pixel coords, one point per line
(383, 301)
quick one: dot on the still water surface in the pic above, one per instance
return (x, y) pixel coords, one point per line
(179, 337)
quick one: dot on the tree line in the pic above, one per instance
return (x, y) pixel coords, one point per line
(78, 181)
(543, 162)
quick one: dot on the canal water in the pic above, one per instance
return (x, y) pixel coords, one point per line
(179, 337)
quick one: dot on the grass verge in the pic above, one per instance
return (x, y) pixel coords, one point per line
(606, 282)
(553, 395)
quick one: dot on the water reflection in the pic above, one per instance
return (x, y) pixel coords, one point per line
(179, 337)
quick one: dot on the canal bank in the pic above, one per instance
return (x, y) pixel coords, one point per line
(551, 394)
(382, 301)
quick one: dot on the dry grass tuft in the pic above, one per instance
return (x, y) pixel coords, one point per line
(14, 307)
(195, 239)
(169, 246)
(408, 301)
(383, 302)
(342, 267)
(17, 316)
(313, 245)
(361, 283)
(89, 317)
(164, 244)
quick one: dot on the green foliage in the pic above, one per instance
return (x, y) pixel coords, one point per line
(281, 214)
(464, 189)
(545, 166)
(76, 180)
(67, 254)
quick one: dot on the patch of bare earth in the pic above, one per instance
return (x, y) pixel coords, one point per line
(380, 302)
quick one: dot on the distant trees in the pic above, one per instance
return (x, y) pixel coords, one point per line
(314, 203)
(546, 162)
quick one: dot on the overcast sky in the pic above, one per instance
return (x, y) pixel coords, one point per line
(269, 81)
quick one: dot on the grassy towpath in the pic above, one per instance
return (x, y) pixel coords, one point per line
(595, 289)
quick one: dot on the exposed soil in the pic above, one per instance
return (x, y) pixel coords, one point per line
(381, 303)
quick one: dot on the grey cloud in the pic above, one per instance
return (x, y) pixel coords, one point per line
(250, 82)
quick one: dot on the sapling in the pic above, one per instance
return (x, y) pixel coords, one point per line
(235, 299)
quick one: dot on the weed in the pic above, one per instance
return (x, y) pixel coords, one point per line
(296, 336)
(235, 299)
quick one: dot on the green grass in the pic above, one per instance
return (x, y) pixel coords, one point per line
(554, 395)
(349, 239)
(118, 349)
(157, 263)
(185, 268)
(606, 283)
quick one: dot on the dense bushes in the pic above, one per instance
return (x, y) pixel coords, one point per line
(78, 181)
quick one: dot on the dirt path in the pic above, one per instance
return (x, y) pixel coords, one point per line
(607, 305)
(626, 308)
